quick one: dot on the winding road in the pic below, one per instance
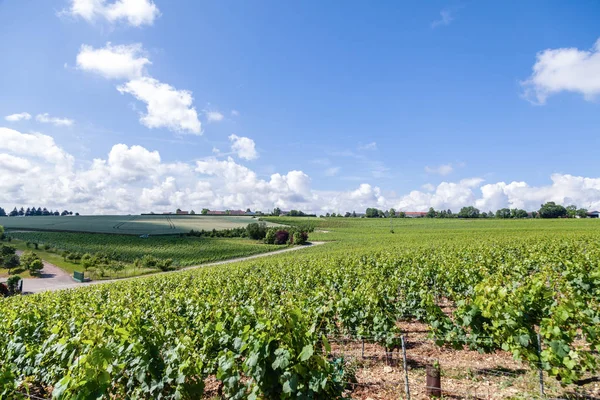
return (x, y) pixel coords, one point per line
(54, 278)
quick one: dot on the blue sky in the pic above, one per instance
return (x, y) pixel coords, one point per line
(393, 95)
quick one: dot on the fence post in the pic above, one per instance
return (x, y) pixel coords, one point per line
(541, 371)
(406, 385)
(363, 348)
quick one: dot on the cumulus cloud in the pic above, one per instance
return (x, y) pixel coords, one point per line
(244, 147)
(214, 116)
(166, 106)
(18, 117)
(47, 119)
(113, 62)
(134, 12)
(442, 170)
(564, 70)
(131, 179)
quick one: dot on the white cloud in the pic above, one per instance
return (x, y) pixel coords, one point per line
(214, 116)
(564, 69)
(369, 146)
(113, 62)
(446, 18)
(18, 117)
(428, 187)
(131, 179)
(135, 12)
(14, 164)
(442, 170)
(167, 107)
(47, 119)
(34, 145)
(244, 147)
(332, 171)
(235, 113)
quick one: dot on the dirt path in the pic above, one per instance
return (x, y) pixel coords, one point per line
(54, 278)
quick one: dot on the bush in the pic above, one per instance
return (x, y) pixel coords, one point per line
(32, 262)
(300, 238)
(270, 236)
(47, 247)
(12, 284)
(257, 231)
(281, 237)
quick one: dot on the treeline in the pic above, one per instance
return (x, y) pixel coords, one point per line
(30, 212)
(547, 210)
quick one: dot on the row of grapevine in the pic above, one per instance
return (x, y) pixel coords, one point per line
(260, 328)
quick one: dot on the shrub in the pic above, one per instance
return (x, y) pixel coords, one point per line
(281, 237)
(257, 231)
(270, 236)
(300, 238)
(47, 247)
(32, 262)
(12, 284)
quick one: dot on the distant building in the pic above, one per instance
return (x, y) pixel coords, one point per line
(216, 213)
(593, 214)
(179, 212)
(236, 212)
(415, 214)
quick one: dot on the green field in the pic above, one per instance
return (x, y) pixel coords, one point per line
(127, 224)
(263, 328)
(184, 251)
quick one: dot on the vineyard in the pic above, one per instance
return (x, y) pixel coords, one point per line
(267, 329)
(184, 251)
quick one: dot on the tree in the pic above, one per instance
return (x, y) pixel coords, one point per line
(300, 238)
(503, 213)
(257, 231)
(277, 211)
(327, 215)
(333, 215)
(353, 214)
(468, 212)
(347, 215)
(372, 213)
(192, 212)
(11, 262)
(21, 212)
(32, 262)
(401, 214)
(204, 211)
(281, 237)
(571, 211)
(2, 212)
(14, 213)
(581, 213)
(552, 210)
(248, 210)
(270, 237)
(431, 213)
(392, 213)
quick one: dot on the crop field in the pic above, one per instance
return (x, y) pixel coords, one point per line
(184, 251)
(474, 295)
(126, 224)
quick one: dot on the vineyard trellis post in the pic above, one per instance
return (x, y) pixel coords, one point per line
(406, 384)
(541, 371)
